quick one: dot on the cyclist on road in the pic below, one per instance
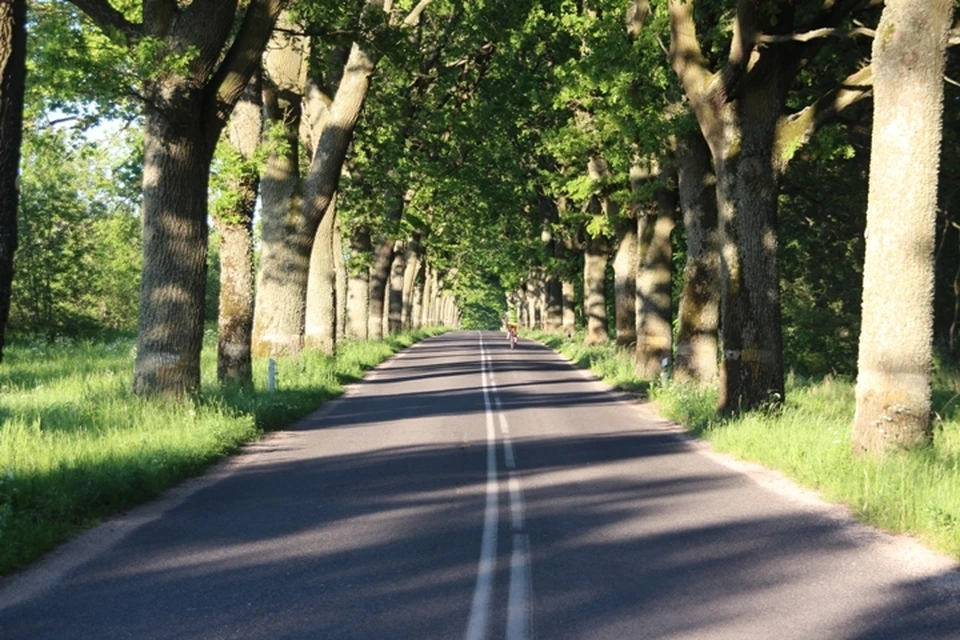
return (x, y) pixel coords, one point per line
(513, 322)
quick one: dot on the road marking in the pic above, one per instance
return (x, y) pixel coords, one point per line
(516, 503)
(519, 607)
(508, 456)
(519, 598)
(478, 623)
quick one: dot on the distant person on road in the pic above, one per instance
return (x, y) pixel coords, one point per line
(513, 323)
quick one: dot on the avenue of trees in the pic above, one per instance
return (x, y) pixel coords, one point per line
(732, 189)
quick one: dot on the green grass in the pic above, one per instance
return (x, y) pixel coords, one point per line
(76, 445)
(808, 439)
(614, 366)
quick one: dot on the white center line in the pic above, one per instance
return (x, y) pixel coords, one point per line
(516, 503)
(519, 597)
(519, 608)
(478, 623)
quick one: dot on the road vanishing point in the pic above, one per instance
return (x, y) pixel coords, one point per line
(465, 490)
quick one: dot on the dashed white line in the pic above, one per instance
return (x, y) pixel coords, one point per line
(478, 623)
(516, 503)
(519, 609)
(519, 597)
(508, 457)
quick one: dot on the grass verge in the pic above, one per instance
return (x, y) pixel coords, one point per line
(76, 445)
(808, 439)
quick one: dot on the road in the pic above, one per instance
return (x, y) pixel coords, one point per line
(464, 490)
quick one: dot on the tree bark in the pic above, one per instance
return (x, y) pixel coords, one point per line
(236, 308)
(285, 248)
(379, 275)
(419, 286)
(596, 256)
(172, 290)
(699, 313)
(340, 279)
(569, 298)
(320, 330)
(530, 301)
(358, 286)
(760, 375)
(896, 339)
(411, 273)
(654, 287)
(436, 300)
(285, 251)
(13, 55)
(395, 295)
(427, 296)
(553, 321)
(625, 282)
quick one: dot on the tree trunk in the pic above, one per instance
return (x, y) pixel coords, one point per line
(428, 279)
(173, 287)
(431, 304)
(279, 325)
(530, 301)
(235, 320)
(654, 289)
(625, 282)
(699, 314)
(596, 256)
(379, 274)
(395, 296)
(757, 294)
(569, 300)
(751, 372)
(13, 54)
(320, 331)
(412, 264)
(416, 310)
(284, 246)
(553, 322)
(896, 339)
(340, 278)
(358, 286)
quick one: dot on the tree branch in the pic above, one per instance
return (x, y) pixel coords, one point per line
(794, 131)
(234, 72)
(825, 32)
(102, 13)
(745, 32)
(685, 54)
(414, 16)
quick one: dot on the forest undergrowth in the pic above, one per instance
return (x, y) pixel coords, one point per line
(76, 445)
(808, 439)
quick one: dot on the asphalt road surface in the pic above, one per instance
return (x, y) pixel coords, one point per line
(468, 491)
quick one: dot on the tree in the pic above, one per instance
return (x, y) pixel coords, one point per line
(13, 55)
(232, 212)
(77, 267)
(896, 339)
(698, 318)
(654, 279)
(199, 58)
(742, 112)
